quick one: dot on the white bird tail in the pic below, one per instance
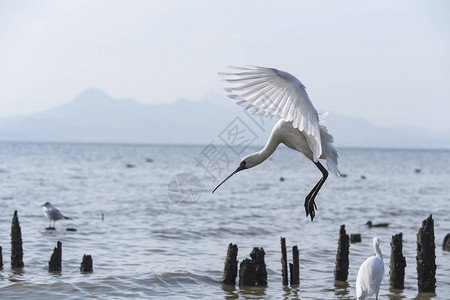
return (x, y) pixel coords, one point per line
(329, 151)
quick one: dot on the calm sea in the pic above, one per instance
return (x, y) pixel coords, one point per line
(147, 216)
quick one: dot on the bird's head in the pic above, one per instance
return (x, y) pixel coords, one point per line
(46, 204)
(369, 223)
(252, 160)
(247, 162)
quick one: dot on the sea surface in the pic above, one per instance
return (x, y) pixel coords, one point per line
(147, 216)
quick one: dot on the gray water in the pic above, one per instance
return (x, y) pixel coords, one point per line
(151, 246)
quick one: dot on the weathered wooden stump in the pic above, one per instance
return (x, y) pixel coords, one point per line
(257, 256)
(54, 265)
(1, 259)
(247, 273)
(398, 263)
(295, 267)
(355, 238)
(86, 264)
(284, 265)
(231, 265)
(341, 268)
(446, 243)
(16, 243)
(426, 258)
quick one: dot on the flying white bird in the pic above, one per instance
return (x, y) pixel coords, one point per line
(53, 214)
(276, 93)
(370, 274)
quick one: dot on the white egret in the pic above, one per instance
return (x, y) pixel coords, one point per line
(370, 274)
(276, 93)
(53, 214)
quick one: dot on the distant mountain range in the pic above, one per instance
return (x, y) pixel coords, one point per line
(94, 116)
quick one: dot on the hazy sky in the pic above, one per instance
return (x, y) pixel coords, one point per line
(385, 61)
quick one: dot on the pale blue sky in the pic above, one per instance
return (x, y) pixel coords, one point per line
(384, 61)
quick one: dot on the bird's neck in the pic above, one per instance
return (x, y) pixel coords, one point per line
(268, 149)
(378, 253)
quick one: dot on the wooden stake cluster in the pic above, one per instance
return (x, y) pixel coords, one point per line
(342, 262)
(252, 272)
(231, 265)
(294, 268)
(398, 263)
(54, 265)
(426, 258)
(17, 251)
(16, 243)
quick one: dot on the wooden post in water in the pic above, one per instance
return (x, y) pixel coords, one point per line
(231, 265)
(86, 264)
(247, 273)
(54, 265)
(398, 263)
(1, 259)
(284, 265)
(16, 243)
(446, 243)
(295, 267)
(355, 238)
(426, 258)
(341, 268)
(257, 256)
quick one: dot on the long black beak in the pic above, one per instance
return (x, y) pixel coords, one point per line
(240, 168)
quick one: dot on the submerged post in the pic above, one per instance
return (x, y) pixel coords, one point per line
(86, 264)
(295, 267)
(341, 268)
(426, 258)
(231, 265)
(446, 243)
(55, 260)
(257, 256)
(247, 273)
(16, 243)
(284, 265)
(355, 238)
(398, 263)
(1, 259)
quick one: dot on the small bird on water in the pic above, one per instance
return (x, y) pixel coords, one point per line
(53, 214)
(370, 224)
(370, 274)
(276, 93)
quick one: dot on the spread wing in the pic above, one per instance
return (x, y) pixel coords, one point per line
(276, 93)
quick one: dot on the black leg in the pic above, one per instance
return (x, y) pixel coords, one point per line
(310, 204)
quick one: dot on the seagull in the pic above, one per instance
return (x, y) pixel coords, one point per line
(276, 93)
(53, 214)
(370, 224)
(370, 274)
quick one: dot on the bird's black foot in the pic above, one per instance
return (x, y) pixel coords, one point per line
(310, 206)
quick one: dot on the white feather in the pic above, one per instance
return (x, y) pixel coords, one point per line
(277, 93)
